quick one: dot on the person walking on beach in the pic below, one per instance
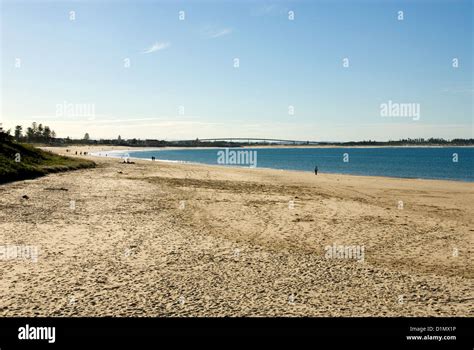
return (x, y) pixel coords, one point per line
(316, 170)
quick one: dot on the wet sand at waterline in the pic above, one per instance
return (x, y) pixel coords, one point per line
(166, 239)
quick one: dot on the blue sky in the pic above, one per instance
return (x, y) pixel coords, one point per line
(187, 66)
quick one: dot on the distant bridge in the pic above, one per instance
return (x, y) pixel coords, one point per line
(254, 140)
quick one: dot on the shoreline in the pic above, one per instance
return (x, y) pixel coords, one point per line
(126, 150)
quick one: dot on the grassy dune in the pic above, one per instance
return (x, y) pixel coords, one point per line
(33, 162)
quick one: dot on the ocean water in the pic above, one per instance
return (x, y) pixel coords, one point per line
(447, 163)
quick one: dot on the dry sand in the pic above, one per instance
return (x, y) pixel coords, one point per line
(163, 239)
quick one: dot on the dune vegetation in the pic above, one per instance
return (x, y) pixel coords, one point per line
(23, 161)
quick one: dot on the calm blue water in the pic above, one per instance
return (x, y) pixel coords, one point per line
(427, 163)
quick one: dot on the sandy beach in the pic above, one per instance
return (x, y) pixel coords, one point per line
(166, 239)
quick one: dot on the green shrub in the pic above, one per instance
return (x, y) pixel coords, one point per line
(33, 162)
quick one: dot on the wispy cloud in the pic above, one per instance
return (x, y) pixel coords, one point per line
(219, 32)
(157, 47)
(212, 32)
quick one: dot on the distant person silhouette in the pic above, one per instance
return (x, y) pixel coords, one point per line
(316, 170)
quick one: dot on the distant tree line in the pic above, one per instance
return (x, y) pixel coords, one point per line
(34, 133)
(86, 140)
(406, 142)
(197, 143)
